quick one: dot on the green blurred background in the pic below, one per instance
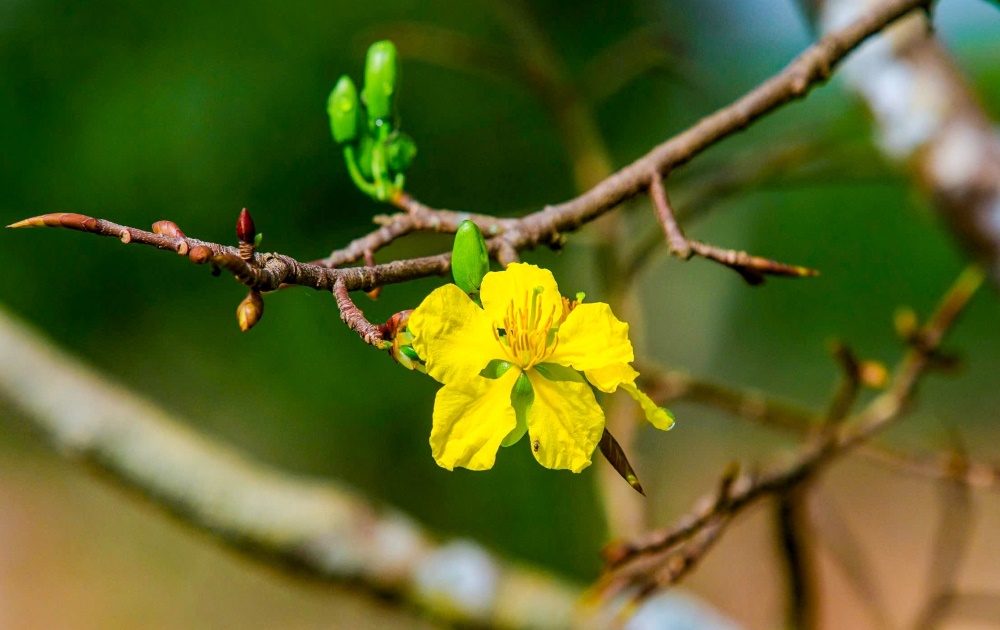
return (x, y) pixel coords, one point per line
(189, 111)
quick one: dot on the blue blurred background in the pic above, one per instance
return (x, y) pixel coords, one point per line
(190, 111)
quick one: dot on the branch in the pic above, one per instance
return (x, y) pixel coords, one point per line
(809, 69)
(324, 529)
(268, 272)
(752, 268)
(794, 534)
(666, 387)
(636, 562)
(951, 545)
(928, 118)
(263, 272)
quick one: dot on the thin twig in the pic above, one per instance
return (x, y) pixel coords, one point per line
(629, 561)
(793, 528)
(752, 268)
(666, 387)
(951, 543)
(676, 241)
(351, 315)
(265, 272)
(850, 385)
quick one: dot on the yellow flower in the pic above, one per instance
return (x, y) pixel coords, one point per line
(514, 366)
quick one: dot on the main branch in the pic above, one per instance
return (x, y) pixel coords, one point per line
(507, 237)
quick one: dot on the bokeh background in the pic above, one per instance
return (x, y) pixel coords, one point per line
(189, 111)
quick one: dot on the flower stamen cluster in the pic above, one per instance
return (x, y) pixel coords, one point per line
(527, 338)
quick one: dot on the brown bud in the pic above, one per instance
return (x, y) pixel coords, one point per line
(169, 228)
(200, 254)
(250, 310)
(246, 231)
(69, 220)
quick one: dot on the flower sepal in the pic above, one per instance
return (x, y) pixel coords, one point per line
(521, 398)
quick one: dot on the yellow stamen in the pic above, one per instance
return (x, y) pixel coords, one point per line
(526, 341)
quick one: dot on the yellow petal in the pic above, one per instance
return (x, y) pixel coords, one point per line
(453, 335)
(564, 423)
(517, 283)
(657, 416)
(471, 418)
(611, 377)
(592, 337)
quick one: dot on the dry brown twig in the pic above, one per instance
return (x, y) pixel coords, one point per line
(759, 409)
(752, 268)
(636, 562)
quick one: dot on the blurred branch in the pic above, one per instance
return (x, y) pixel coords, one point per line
(951, 543)
(450, 49)
(794, 534)
(927, 117)
(643, 562)
(639, 52)
(835, 534)
(751, 406)
(757, 408)
(322, 528)
(975, 607)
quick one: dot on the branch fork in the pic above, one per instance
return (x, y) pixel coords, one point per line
(753, 269)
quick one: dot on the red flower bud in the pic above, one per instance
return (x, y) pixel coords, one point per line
(246, 231)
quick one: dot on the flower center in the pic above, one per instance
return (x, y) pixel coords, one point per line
(526, 335)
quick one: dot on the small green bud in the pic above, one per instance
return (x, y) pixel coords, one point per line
(400, 149)
(342, 106)
(470, 261)
(380, 81)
